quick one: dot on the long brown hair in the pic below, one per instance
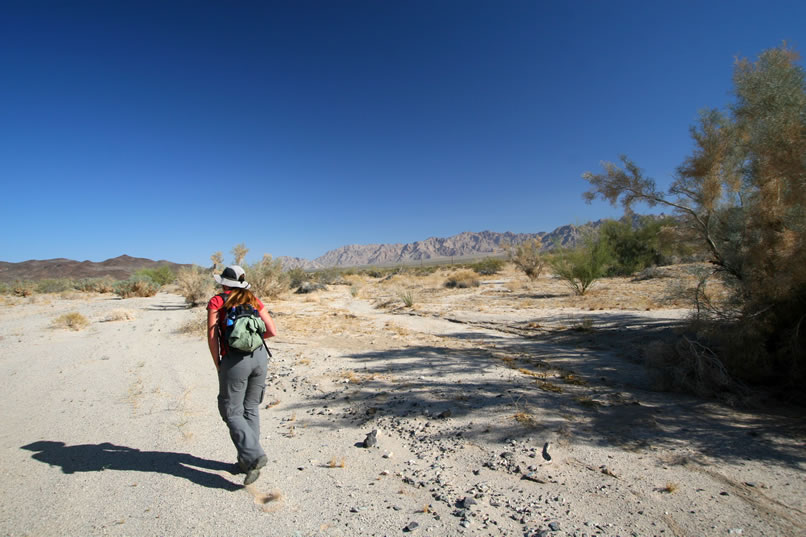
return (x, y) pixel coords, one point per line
(238, 297)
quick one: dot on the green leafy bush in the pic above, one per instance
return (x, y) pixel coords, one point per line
(637, 247)
(488, 266)
(161, 276)
(54, 285)
(583, 265)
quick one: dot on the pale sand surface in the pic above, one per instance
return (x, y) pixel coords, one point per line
(113, 430)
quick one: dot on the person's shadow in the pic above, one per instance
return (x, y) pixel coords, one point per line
(106, 456)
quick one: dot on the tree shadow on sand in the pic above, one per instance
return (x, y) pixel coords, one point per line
(107, 456)
(591, 391)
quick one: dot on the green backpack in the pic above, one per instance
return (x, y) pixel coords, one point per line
(244, 329)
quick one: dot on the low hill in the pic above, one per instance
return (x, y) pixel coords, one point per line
(120, 268)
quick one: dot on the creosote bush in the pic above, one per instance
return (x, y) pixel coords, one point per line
(104, 284)
(488, 266)
(73, 321)
(527, 257)
(161, 276)
(583, 265)
(54, 285)
(267, 277)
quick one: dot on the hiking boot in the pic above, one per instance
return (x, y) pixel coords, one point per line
(254, 471)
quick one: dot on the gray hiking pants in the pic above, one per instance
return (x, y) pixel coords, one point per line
(241, 384)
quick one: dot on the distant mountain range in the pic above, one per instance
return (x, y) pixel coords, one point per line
(462, 247)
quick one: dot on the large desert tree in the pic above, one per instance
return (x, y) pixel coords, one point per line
(741, 193)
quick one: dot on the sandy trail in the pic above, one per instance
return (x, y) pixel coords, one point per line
(113, 430)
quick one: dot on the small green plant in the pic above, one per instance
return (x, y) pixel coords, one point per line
(72, 321)
(195, 284)
(407, 297)
(462, 280)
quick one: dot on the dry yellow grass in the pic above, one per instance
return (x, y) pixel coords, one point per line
(197, 326)
(72, 321)
(525, 419)
(336, 462)
(548, 386)
(120, 315)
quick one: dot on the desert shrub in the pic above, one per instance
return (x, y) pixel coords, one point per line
(73, 321)
(741, 195)
(462, 280)
(634, 247)
(328, 276)
(195, 284)
(425, 270)
(5, 288)
(161, 276)
(267, 277)
(583, 265)
(54, 285)
(22, 288)
(488, 266)
(134, 286)
(86, 285)
(296, 276)
(195, 326)
(527, 257)
(105, 284)
(120, 315)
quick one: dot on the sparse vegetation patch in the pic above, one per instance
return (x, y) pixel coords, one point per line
(71, 321)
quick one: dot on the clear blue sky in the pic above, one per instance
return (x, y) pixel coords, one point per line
(170, 130)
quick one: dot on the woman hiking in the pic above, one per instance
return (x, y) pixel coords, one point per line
(241, 375)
